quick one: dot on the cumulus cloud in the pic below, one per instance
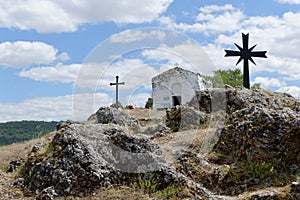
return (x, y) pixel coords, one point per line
(58, 74)
(211, 19)
(138, 100)
(66, 16)
(136, 35)
(53, 108)
(188, 55)
(276, 34)
(292, 90)
(289, 1)
(134, 72)
(95, 75)
(267, 82)
(279, 35)
(22, 53)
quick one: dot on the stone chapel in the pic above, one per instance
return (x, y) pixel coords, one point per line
(176, 86)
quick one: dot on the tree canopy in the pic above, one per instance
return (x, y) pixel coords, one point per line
(228, 77)
(19, 131)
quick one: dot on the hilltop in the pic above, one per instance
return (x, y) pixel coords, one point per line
(229, 143)
(19, 131)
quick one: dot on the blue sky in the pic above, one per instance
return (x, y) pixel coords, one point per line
(58, 57)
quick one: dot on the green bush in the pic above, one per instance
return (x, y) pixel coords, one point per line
(149, 103)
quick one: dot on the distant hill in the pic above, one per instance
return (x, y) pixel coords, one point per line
(19, 131)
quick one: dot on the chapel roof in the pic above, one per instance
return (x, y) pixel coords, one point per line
(172, 71)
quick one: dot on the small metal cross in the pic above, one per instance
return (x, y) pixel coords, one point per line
(117, 88)
(246, 54)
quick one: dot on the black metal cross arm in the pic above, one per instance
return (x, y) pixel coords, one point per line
(232, 53)
(261, 54)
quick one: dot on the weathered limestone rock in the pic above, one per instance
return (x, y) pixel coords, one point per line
(266, 196)
(295, 190)
(262, 134)
(81, 158)
(157, 130)
(107, 115)
(260, 124)
(260, 137)
(47, 194)
(184, 117)
(238, 98)
(14, 164)
(259, 140)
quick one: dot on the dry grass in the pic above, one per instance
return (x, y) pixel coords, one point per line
(144, 113)
(17, 151)
(11, 153)
(283, 192)
(115, 193)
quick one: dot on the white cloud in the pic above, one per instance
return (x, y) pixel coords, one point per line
(292, 90)
(138, 100)
(58, 74)
(98, 75)
(137, 35)
(216, 8)
(263, 22)
(63, 56)
(278, 35)
(22, 53)
(95, 75)
(289, 1)
(64, 16)
(211, 19)
(188, 55)
(267, 82)
(53, 108)
(134, 72)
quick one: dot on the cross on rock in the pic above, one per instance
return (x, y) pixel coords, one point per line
(246, 54)
(117, 88)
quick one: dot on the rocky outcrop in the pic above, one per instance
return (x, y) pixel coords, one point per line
(262, 134)
(259, 125)
(157, 130)
(262, 126)
(258, 142)
(106, 115)
(295, 190)
(237, 98)
(184, 117)
(82, 158)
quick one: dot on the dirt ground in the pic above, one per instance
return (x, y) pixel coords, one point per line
(144, 113)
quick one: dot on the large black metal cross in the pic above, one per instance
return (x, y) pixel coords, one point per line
(117, 88)
(246, 54)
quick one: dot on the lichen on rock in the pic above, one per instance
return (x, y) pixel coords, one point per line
(82, 158)
(255, 143)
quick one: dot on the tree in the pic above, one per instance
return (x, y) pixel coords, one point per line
(229, 77)
(255, 86)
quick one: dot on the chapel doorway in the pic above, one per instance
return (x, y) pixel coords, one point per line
(176, 94)
(176, 100)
